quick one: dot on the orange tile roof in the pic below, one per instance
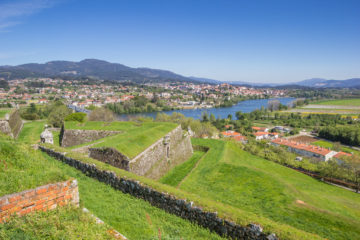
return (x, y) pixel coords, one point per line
(260, 133)
(240, 138)
(230, 133)
(342, 154)
(301, 146)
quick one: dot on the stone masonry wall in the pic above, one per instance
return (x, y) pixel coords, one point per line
(169, 203)
(43, 198)
(110, 156)
(13, 125)
(160, 157)
(73, 137)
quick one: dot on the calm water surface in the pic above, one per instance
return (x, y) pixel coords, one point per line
(244, 106)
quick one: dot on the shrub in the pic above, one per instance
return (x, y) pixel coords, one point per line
(78, 117)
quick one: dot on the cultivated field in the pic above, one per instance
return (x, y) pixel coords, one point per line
(238, 179)
(341, 102)
(303, 139)
(133, 139)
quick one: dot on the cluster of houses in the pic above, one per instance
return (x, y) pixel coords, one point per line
(234, 135)
(311, 151)
(261, 133)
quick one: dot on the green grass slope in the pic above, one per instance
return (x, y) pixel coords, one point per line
(62, 223)
(30, 133)
(234, 177)
(4, 111)
(178, 173)
(23, 168)
(134, 139)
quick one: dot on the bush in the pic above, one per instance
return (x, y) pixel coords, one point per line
(78, 117)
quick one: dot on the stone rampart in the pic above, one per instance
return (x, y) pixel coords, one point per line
(12, 125)
(153, 162)
(73, 137)
(169, 203)
(39, 199)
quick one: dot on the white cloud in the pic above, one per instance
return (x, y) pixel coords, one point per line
(11, 13)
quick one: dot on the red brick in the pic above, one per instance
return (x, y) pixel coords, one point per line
(38, 207)
(60, 199)
(62, 203)
(7, 206)
(25, 211)
(42, 190)
(14, 198)
(41, 201)
(68, 196)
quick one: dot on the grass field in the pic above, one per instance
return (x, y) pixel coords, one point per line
(4, 111)
(31, 131)
(134, 139)
(340, 102)
(62, 223)
(234, 177)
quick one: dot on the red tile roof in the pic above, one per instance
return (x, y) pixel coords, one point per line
(342, 154)
(230, 133)
(301, 146)
(260, 133)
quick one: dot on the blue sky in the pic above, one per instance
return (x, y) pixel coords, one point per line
(252, 40)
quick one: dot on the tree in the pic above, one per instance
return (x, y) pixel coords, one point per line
(212, 118)
(57, 115)
(102, 114)
(78, 117)
(273, 105)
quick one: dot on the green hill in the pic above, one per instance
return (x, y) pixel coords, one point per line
(236, 178)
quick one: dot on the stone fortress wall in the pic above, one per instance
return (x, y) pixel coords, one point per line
(73, 137)
(12, 124)
(156, 160)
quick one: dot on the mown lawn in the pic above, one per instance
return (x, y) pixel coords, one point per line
(30, 133)
(234, 177)
(62, 223)
(340, 102)
(133, 139)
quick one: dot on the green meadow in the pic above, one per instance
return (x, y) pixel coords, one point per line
(133, 137)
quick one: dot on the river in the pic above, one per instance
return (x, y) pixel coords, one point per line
(244, 106)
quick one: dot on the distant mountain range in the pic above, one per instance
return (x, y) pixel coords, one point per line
(99, 69)
(90, 68)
